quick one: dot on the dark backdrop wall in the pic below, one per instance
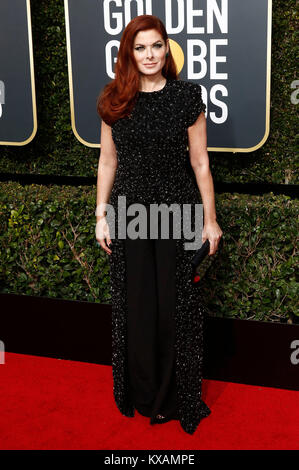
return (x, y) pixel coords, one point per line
(55, 150)
(48, 231)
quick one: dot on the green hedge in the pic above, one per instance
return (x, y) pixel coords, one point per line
(48, 243)
(48, 249)
(254, 278)
(55, 150)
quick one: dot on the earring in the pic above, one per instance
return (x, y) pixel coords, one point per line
(167, 54)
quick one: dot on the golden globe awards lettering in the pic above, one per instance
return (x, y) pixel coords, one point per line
(221, 44)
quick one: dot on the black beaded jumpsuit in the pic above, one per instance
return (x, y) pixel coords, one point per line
(157, 313)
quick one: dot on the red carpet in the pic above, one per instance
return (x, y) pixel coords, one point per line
(57, 404)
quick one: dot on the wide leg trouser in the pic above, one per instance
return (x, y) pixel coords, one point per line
(150, 265)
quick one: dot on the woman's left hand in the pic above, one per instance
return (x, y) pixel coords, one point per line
(213, 233)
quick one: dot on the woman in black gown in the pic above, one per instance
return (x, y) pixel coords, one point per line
(149, 118)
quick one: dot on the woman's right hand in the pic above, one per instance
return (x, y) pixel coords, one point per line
(103, 234)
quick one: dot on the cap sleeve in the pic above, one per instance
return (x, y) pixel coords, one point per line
(194, 103)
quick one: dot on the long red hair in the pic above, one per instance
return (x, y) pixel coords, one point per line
(118, 97)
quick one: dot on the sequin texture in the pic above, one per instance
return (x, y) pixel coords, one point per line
(154, 167)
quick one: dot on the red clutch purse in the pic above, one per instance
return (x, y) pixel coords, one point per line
(198, 258)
